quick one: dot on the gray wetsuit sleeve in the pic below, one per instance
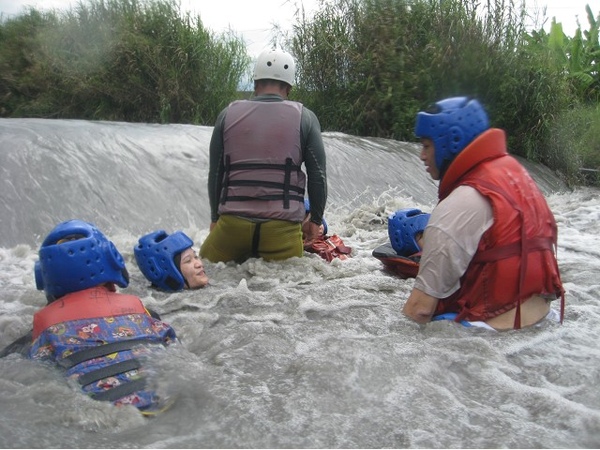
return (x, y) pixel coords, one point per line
(216, 167)
(315, 162)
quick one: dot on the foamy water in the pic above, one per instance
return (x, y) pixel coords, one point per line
(301, 353)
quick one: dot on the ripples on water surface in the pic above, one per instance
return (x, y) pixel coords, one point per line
(299, 353)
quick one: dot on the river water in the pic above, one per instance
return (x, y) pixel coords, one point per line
(300, 353)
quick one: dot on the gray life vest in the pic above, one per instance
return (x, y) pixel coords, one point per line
(263, 158)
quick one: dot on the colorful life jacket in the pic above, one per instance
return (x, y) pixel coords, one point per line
(263, 159)
(98, 336)
(516, 257)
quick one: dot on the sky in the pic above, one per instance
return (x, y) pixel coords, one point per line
(254, 20)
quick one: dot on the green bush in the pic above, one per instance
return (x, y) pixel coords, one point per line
(128, 60)
(575, 144)
(368, 66)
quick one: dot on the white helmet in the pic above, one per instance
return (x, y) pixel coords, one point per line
(275, 65)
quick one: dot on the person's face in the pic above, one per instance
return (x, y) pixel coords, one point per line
(428, 157)
(192, 269)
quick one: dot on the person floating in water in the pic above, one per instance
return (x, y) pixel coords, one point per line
(98, 336)
(169, 262)
(402, 254)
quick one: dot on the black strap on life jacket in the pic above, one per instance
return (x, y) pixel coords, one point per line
(256, 240)
(288, 192)
(113, 393)
(98, 351)
(120, 391)
(109, 371)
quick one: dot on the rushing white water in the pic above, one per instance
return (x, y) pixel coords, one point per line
(300, 353)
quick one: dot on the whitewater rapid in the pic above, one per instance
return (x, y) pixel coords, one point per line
(295, 354)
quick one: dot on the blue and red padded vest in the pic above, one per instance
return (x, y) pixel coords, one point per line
(97, 335)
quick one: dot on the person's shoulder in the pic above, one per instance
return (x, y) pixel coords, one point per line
(465, 195)
(462, 200)
(309, 116)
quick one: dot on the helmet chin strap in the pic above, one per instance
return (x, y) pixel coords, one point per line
(444, 167)
(177, 262)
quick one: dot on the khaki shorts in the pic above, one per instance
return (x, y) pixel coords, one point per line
(236, 239)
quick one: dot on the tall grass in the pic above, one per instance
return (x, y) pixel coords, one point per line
(368, 66)
(128, 60)
(574, 144)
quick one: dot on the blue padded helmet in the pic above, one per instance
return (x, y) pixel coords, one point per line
(451, 124)
(84, 258)
(307, 208)
(155, 256)
(403, 226)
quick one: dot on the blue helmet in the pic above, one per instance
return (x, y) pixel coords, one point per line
(403, 226)
(76, 256)
(155, 256)
(451, 124)
(307, 208)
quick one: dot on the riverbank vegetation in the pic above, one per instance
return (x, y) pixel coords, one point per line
(122, 60)
(365, 67)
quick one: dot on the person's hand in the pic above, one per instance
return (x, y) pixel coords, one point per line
(213, 225)
(312, 231)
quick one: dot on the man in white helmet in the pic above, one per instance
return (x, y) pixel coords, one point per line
(256, 184)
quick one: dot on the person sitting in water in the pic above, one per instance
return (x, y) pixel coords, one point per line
(169, 262)
(489, 249)
(264, 155)
(402, 254)
(94, 333)
(327, 247)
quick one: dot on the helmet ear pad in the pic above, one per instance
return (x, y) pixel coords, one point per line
(454, 143)
(456, 139)
(158, 277)
(39, 277)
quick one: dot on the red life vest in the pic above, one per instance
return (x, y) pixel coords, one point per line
(515, 259)
(263, 159)
(87, 304)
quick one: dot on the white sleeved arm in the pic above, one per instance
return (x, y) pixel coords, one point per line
(451, 239)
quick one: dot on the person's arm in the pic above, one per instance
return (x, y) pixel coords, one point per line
(21, 346)
(420, 306)
(449, 243)
(316, 165)
(215, 170)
